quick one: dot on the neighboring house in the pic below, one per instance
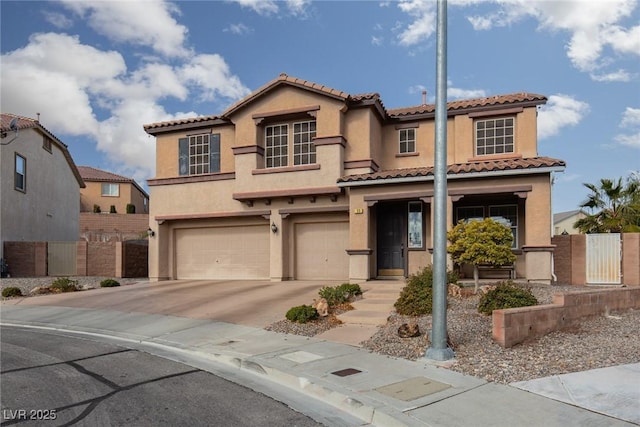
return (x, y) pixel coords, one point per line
(40, 184)
(105, 189)
(301, 181)
(563, 222)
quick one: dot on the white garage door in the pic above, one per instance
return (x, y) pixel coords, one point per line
(223, 252)
(321, 251)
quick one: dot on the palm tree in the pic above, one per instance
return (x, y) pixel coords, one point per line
(613, 207)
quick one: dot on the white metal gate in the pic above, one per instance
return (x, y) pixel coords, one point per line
(603, 258)
(61, 258)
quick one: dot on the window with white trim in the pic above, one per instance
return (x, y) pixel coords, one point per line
(407, 139)
(110, 189)
(507, 215)
(277, 146)
(276, 143)
(20, 176)
(304, 151)
(199, 154)
(495, 136)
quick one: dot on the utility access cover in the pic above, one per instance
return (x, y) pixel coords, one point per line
(412, 389)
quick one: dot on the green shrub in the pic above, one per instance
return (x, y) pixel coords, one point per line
(96, 209)
(11, 291)
(301, 314)
(109, 283)
(131, 208)
(416, 298)
(505, 295)
(336, 295)
(112, 209)
(64, 284)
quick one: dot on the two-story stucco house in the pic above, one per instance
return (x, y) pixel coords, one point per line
(105, 189)
(302, 181)
(40, 185)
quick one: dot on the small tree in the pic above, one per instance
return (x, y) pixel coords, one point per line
(485, 242)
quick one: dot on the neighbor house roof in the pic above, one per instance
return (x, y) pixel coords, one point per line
(91, 174)
(28, 123)
(561, 216)
(459, 170)
(522, 99)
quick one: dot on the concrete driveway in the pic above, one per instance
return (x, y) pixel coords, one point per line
(249, 303)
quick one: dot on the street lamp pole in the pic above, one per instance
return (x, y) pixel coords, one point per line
(439, 349)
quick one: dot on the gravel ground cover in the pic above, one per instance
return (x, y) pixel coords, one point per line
(598, 342)
(26, 284)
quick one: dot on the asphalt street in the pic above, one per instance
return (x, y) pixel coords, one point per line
(59, 380)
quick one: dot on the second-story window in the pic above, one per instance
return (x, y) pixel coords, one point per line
(304, 152)
(110, 189)
(495, 136)
(277, 145)
(407, 140)
(199, 154)
(20, 177)
(277, 139)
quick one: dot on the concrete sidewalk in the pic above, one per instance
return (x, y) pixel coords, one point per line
(376, 389)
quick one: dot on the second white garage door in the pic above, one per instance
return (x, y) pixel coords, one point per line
(320, 252)
(223, 252)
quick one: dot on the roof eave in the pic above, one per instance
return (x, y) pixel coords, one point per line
(185, 126)
(468, 175)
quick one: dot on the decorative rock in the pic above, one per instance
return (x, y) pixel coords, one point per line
(321, 306)
(408, 330)
(40, 290)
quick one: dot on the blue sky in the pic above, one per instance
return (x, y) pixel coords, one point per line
(97, 71)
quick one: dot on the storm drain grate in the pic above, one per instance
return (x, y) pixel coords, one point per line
(346, 372)
(413, 388)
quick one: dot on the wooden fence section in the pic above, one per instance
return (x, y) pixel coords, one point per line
(105, 259)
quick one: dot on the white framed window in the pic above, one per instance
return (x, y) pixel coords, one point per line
(304, 151)
(20, 175)
(46, 143)
(407, 139)
(416, 234)
(199, 154)
(507, 215)
(469, 213)
(495, 136)
(277, 146)
(110, 189)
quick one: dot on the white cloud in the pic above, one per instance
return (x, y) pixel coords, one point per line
(376, 41)
(58, 20)
(239, 29)
(559, 112)
(298, 8)
(630, 120)
(121, 21)
(424, 21)
(82, 91)
(261, 7)
(459, 93)
(597, 38)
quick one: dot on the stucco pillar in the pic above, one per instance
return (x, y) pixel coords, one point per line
(159, 262)
(359, 228)
(276, 247)
(630, 259)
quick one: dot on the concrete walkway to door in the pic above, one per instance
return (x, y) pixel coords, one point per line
(244, 302)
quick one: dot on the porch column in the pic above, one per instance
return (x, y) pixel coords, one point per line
(159, 262)
(277, 246)
(359, 239)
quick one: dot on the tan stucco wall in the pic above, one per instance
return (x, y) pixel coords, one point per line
(50, 208)
(361, 136)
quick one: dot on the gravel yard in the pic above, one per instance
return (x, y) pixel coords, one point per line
(598, 342)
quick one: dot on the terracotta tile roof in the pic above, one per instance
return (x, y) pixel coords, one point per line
(459, 169)
(91, 174)
(29, 123)
(465, 104)
(371, 98)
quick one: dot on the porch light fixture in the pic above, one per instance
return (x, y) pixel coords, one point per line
(274, 227)
(150, 232)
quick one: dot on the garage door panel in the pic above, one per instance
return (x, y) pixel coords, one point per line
(223, 252)
(320, 251)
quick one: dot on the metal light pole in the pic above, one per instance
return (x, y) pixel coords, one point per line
(439, 349)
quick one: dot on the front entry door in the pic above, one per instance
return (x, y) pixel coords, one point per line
(391, 237)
